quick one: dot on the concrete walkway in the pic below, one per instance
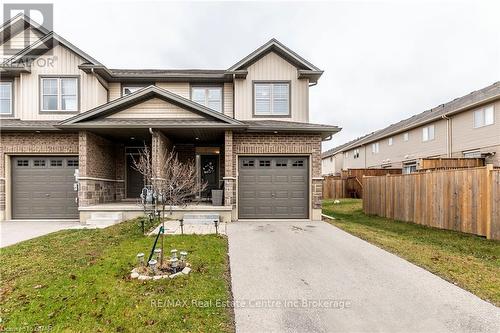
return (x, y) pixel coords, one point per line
(312, 277)
(13, 232)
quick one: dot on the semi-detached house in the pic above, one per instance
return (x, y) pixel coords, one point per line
(70, 127)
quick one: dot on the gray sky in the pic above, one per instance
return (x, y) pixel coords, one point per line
(383, 60)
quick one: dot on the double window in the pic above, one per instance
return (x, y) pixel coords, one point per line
(59, 94)
(428, 133)
(5, 98)
(356, 153)
(211, 97)
(484, 117)
(272, 99)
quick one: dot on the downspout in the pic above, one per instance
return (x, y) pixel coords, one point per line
(448, 135)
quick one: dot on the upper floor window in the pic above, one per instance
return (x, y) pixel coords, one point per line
(5, 98)
(484, 117)
(389, 141)
(346, 154)
(375, 148)
(211, 97)
(406, 136)
(129, 89)
(428, 133)
(356, 153)
(59, 94)
(272, 99)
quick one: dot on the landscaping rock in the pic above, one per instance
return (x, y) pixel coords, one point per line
(175, 275)
(134, 275)
(186, 270)
(157, 277)
(144, 277)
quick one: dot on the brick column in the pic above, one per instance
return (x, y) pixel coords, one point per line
(229, 172)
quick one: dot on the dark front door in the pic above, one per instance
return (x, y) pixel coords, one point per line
(209, 165)
(135, 181)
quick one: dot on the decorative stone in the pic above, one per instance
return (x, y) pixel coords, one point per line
(186, 270)
(134, 270)
(164, 276)
(157, 277)
(144, 277)
(175, 275)
(134, 275)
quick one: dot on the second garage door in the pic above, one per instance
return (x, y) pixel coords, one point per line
(42, 187)
(274, 187)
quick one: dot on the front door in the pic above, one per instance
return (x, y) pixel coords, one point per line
(135, 181)
(209, 165)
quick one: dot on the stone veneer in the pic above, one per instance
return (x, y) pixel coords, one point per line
(102, 170)
(33, 144)
(265, 143)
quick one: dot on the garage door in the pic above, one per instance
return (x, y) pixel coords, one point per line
(273, 187)
(42, 187)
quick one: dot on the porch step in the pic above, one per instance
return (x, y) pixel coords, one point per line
(200, 218)
(104, 219)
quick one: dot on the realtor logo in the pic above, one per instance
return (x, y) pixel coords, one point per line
(17, 35)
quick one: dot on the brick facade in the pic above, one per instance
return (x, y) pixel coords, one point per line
(102, 170)
(32, 143)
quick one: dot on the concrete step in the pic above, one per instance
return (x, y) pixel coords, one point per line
(107, 215)
(200, 218)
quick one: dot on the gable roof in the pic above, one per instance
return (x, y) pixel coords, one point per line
(461, 104)
(141, 96)
(18, 23)
(274, 46)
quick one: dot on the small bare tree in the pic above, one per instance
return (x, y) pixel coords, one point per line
(173, 182)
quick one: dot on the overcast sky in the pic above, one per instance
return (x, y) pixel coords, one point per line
(383, 60)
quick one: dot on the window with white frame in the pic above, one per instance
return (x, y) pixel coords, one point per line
(409, 167)
(5, 98)
(406, 136)
(389, 141)
(472, 154)
(211, 97)
(375, 148)
(346, 154)
(356, 153)
(272, 99)
(59, 94)
(129, 89)
(428, 133)
(484, 117)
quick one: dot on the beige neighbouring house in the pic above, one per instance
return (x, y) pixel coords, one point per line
(70, 126)
(467, 127)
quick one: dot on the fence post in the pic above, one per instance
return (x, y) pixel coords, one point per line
(489, 199)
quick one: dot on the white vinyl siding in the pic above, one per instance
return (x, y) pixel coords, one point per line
(211, 97)
(272, 99)
(484, 117)
(5, 98)
(59, 94)
(428, 133)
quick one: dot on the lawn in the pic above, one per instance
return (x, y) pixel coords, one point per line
(469, 261)
(78, 281)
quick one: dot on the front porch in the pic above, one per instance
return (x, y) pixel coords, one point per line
(109, 182)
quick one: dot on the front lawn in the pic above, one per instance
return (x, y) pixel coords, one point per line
(78, 280)
(470, 261)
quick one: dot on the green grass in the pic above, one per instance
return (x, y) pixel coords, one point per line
(469, 261)
(78, 281)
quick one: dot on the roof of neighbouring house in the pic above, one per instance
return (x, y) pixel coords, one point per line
(339, 148)
(461, 104)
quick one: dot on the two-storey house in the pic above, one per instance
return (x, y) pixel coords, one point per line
(70, 128)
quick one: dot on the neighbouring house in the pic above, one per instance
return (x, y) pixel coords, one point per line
(467, 127)
(70, 128)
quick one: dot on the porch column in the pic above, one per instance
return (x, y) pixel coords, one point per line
(97, 179)
(160, 146)
(229, 171)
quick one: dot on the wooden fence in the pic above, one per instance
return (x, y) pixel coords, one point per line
(466, 200)
(334, 188)
(443, 163)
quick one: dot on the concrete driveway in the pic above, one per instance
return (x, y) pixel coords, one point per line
(13, 232)
(334, 282)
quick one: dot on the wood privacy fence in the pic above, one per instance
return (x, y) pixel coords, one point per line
(443, 163)
(334, 188)
(466, 200)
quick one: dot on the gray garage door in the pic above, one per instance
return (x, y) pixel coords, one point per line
(42, 187)
(273, 187)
